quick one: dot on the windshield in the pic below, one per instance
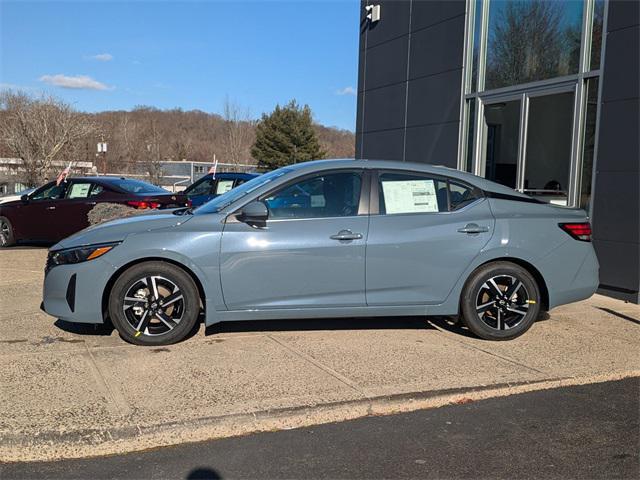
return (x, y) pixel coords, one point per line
(237, 193)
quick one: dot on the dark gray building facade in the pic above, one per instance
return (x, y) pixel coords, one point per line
(542, 96)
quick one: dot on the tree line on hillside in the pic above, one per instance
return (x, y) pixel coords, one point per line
(41, 130)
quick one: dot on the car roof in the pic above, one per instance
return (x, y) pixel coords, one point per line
(480, 182)
(242, 175)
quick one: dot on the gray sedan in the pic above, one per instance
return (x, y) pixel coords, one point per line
(335, 238)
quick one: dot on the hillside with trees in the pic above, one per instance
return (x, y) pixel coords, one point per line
(137, 139)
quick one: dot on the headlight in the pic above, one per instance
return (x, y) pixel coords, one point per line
(78, 254)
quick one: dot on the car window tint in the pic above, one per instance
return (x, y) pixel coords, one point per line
(137, 186)
(50, 192)
(330, 195)
(201, 187)
(96, 190)
(461, 195)
(402, 193)
(78, 190)
(223, 186)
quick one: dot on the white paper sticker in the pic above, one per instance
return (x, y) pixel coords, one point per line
(79, 190)
(318, 201)
(224, 186)
(410, 196)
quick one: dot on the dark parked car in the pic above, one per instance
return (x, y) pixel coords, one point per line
(208, 187)
(53, 212)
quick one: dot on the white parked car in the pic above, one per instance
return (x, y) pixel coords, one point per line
(16, 196)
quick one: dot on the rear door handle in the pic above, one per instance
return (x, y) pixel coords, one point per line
(346, 235)
(473, 228)
(51, 208)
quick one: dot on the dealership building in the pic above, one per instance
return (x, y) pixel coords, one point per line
(542, 96)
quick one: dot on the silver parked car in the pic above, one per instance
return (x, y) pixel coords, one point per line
(335, 238)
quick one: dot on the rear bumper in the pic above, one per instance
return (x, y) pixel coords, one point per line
(74, 292)
(572, 273)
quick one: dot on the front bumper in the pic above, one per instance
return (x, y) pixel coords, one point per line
(74, 292)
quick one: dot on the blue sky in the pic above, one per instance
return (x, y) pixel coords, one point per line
(116, 55)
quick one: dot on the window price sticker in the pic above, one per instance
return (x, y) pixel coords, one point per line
(410, 196)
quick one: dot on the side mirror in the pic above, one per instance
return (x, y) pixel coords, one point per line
(254, 212)
(25, 198)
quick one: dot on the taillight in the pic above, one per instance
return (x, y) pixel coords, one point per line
(142, 205)
(579, 231)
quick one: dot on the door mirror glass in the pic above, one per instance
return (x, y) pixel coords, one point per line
(254, 212)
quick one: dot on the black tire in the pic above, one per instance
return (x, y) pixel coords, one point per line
(170, 282)
(7, 238)
(505, 315)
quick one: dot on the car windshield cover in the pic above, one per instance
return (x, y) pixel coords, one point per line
(137, 186)
(237, 193)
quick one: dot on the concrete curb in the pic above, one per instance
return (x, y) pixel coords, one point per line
(52, 445)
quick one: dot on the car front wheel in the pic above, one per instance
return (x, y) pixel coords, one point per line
(6, 233)
(154, 303)
(500, 301)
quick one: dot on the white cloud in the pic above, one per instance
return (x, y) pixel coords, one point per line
(346, 91)
(102, 57)
(77, 82)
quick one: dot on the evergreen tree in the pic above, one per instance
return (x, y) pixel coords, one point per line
(286, 136)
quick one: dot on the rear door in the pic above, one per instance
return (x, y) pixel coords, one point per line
(309, 254)
(424, 231)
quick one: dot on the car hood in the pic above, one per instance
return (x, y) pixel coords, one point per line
(117, 230)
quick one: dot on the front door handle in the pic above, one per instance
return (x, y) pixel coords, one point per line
(346, 235)
(51, 207)
(472, 228)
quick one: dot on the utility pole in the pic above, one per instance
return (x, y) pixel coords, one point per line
(102, 149)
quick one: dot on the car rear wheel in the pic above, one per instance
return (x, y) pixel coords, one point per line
(6, 233)
(500, 301)
(154, 303)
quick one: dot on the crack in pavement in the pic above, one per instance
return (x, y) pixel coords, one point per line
(350, 383)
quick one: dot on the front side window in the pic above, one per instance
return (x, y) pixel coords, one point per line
(201, 187)
(50, 192)
(223, 186)
(329, 195)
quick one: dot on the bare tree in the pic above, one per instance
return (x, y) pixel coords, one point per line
(41, 130)
(238, 132)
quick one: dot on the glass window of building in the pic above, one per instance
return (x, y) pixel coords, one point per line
(589, 142)
(532, 40)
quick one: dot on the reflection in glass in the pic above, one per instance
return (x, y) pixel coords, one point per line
(471, 122)
(502, 130)
(476, 45)
(591, 111)
(548, 153)
(596, 34)
(532, 40)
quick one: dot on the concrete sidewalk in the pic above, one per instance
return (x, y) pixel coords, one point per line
(69, 392)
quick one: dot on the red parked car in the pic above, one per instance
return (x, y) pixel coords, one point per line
(53, 212)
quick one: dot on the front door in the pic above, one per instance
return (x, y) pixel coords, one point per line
(309, 253)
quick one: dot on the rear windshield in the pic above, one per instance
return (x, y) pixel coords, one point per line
(136, 186)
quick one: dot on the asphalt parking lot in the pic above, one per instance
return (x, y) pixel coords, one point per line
(71, 391)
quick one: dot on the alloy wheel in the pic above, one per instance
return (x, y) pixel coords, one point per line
(502, 302)
(153, 305)
(4, 233)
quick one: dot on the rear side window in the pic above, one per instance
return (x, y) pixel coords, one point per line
(408, 193)
(402, 193)
(461, 195)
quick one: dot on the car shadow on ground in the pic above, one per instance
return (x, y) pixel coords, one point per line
(451, 324)
(367, 323)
